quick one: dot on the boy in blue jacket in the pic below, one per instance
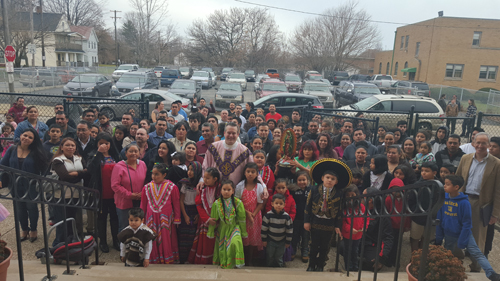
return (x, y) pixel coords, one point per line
(456, 224)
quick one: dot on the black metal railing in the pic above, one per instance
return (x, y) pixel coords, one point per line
(41, 190)
(490, 120)
(422, 199)
(114, 108)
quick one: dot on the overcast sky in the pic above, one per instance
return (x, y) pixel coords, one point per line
(183, 12)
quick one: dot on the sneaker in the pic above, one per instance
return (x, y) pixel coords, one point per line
(494, 277)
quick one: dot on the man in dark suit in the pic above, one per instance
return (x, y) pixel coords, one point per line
(481, 172)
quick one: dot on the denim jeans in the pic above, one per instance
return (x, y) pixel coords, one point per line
(300, 238)
(274, 253)
(343, 248)
(122, 218)
(475, 253)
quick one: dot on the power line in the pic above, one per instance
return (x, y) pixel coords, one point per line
(366, 20)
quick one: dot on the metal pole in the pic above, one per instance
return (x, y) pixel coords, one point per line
(16, 225)
(393, 48)
(31, 32)
(41, 26)
(117, 54)
(6, 32)
(46, 243)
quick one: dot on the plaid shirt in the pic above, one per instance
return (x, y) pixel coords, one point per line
(471, 111)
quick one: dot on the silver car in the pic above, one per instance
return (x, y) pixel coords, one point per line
(227, 93)
(203, 78)
(321, 90)
(115, 110)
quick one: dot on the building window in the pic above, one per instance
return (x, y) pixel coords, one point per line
(406, 66)
(407, 40)
(380, 68)
(488, 72)
(387, 69)
(396, 69)
(417, 49)
(454, 70)
(476, 38)
(89, 45)
(402, 42)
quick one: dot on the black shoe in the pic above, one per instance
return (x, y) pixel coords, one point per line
(116, 245)
(311, 268)
(494, 277)
(320, 269)
(104, 247)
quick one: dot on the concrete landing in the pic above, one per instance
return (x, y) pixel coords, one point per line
(34, 271)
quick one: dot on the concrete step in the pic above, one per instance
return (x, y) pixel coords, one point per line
(117, 272)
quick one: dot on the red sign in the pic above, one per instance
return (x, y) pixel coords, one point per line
(10, 53)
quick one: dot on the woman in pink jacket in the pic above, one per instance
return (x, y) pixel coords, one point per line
(127, 181)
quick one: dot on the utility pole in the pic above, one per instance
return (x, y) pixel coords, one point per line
(159, 47)
(116, 37)
(31, 30)
(6, 32)
(41, 23)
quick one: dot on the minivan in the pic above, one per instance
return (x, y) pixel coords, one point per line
(168, 77)
(39, 77)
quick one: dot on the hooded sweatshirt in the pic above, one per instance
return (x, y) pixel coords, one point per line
(456, 221)
(289, 204)
(18, 112)
(356, 222)
(398, 206)
(437, 144)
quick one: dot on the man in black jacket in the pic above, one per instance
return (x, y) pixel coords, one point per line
(451, 154)
(85, 144)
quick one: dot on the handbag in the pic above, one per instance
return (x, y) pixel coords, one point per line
(135, 203)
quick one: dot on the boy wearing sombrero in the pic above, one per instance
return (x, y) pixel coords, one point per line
(322, 212)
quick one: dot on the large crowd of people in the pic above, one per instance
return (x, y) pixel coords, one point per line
(179, 188)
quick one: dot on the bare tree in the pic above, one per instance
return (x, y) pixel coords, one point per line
(78, 12)
(328, 42)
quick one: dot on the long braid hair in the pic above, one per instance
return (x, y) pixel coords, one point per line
(232, 197)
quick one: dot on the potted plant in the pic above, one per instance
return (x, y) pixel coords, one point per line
(5, 256)
(441, 265)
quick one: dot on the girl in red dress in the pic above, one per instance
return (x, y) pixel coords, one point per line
(265, 172)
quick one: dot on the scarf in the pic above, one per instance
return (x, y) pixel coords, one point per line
(192, 182)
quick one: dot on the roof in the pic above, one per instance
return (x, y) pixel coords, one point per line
(406, 97)
(429, 22)
(85, 31)
(50, 21)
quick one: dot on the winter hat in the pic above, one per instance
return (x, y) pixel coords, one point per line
(396, 183)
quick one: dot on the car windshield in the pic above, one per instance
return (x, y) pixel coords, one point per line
(84, 79)
(158, 68)
(317, 88)
(226, 69)
(237, 76)
(169, 73)
(230, 87)
(383, 78)
(183, 85)
(250, 72)
(315, 77)
(293, 78)
(132, 79)
(367, 90)
(421, 86)
(365, 104)
(274, 87)
(345, 74)
(125, 67)
(272, 71)
(184, 69)
(200, 74)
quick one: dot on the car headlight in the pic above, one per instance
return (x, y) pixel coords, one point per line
(113, 88)
(218, 96)
(329, 99)
(90, 89)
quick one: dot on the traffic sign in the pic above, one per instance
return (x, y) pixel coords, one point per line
(9, 66)
(10, 53)
(31, 48)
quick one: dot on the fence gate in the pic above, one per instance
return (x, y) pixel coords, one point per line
(114, 108)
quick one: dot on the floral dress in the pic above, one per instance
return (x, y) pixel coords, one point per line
(250, 199)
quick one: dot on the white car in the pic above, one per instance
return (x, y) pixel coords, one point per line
(203, 78)
(124, 68)
(257, 80)
(238, 78)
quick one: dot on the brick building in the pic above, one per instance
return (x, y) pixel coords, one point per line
(459, 52)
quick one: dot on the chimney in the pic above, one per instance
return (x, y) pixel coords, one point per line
(440, 13)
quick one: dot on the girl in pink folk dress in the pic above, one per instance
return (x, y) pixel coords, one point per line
(160, 201)
(249, 190)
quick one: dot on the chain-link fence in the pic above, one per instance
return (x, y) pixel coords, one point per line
(456, 125)
(490, 123)
(463, 95)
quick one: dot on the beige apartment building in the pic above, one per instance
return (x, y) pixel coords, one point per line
(459, 52)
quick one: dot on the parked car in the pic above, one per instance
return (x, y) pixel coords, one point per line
(326, 81)
(270, 87)
(313, 77)
(385, 105)
(293, 82)
(203, 78)
(66, 75)
(359, 77)
(168, 76)
(415, 88)
(90, 85)
(115, 110)
(38, 77)
(273, 73)
(258, 79)
(129, 82)
(186, 72)
(311, 72)
(286, 102)
(214, 79)
(320, 90)
(124, 68)
(207, 69)
(227, 93)
(225, 72)
(158, 70)
(383, 82)
(238, 78)
(186, 88)
(81, 69)
(337, 76)
(250, 75)
(351, 92)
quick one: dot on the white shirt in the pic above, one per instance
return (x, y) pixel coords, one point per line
(243, 120)
(84, 144)
(178, 118)
(476, 172)
(240, 187)
(468, 148)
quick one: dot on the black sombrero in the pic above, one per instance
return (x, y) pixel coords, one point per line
(343, 172)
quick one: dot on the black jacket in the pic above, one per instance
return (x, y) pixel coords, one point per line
(443, 157)
(89, 150)
(371, 235)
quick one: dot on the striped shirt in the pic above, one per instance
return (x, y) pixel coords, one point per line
(277, 227)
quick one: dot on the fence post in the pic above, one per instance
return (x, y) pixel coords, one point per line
(66, 106)
(375, 137)
(461, 95)
(479, 119)
(440, 90)
(415, 130)
(410, 121)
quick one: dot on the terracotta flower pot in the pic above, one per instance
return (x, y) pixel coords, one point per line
(410, 277)
(5, 265)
